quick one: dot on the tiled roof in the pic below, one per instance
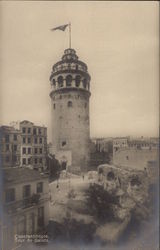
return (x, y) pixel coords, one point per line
(20, 175)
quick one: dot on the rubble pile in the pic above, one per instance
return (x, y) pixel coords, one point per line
(130, 186)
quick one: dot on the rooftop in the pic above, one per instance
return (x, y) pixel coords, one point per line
(21, 175)
(9, 129)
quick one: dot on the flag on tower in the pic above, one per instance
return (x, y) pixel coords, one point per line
(62, 27)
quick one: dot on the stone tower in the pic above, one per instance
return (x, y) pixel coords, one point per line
(70, 92)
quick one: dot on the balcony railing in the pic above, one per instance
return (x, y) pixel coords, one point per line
(22, 204)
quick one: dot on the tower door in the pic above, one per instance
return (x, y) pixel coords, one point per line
(64, 165)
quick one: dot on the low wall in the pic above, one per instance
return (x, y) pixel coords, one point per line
(134, 158)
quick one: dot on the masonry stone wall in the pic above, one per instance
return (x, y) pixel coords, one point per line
(71, 127)
(134, 158)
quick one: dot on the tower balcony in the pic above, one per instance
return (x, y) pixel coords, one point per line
(69, 82)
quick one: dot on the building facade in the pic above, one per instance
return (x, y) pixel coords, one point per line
(26, 146)
(70, 93)
(10, 146)
(33, 145)
(25, 204)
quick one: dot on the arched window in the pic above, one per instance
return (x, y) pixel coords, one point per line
(60, 81)
(54, 82)
(110, 176)
(68, 80)
(88, 86)
(76, 67)
(54, 106)
(77, 80)
(69, 104)
(85, 83)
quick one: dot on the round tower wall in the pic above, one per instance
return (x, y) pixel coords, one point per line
(70, 112)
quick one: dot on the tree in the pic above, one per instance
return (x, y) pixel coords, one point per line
(101, 202)
(53, 167)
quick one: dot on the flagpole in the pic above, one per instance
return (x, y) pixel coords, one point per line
(70, 35)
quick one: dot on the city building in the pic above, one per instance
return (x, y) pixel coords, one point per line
(33, 145)
(25, 204)
(120, 142)
(70, 93)
(10, 146)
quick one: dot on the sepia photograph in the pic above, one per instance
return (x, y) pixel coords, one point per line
(79, 125)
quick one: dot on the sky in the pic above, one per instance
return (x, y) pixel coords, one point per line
(119, 42)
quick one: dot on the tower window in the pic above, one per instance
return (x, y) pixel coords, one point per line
(54, 82)
(60, 81)
(76, 67)
(85, 105)
(85, 83)
(88, 85)
(68, 80)
(69, 104)
(63, 143)
(54, 106)
(77, 80)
